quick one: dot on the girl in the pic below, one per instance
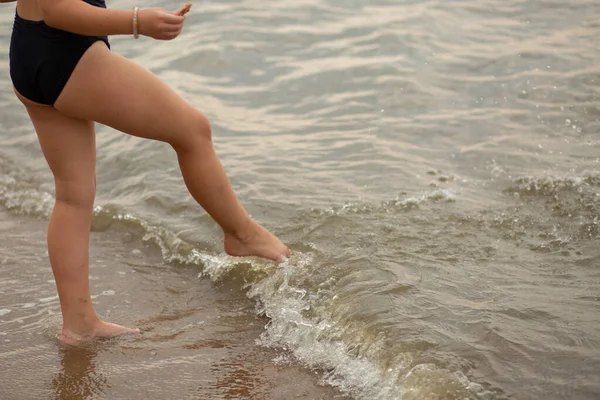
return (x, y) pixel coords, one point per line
(67, 78)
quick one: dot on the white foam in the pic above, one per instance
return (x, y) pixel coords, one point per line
(433, 196)
(311, 342)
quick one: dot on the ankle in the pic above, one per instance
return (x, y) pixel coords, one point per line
(81, 323)
(243, 231)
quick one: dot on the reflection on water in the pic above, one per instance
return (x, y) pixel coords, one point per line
(78, 377)
(237, 380)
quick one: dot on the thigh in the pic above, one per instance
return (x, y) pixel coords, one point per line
(69, 146)
(114, 91)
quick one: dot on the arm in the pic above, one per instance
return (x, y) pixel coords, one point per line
(84, 19)
(79, 17)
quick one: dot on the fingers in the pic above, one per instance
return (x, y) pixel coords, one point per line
(172, 19)
(170, 36)
(172, 32)
(173, 26)
(175, 32)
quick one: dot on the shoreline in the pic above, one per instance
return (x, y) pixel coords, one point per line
(198, 341)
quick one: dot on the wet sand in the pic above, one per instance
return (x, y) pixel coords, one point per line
(198, 340)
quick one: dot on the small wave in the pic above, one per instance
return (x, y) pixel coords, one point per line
(21, 197)
(571, 204)
(552, 186)
(294, 298)
(360, 366)
(398, 204)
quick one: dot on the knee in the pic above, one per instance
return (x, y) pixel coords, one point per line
(76, 194)
(197, 132)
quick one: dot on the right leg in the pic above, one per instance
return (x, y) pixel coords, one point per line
(69, 146)
(114, 91)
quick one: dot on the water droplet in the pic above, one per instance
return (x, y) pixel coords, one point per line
(567, 122)
(562, 108)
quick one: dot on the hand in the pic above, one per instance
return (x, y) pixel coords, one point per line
(160, 24)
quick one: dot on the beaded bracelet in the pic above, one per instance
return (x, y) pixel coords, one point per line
(135, 22)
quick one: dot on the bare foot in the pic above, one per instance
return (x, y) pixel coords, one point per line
(100, 330)
(256, 241)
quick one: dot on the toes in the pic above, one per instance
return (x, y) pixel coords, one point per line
(284, 257)
(124, 331)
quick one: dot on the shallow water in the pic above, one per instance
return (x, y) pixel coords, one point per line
(435, 167)
(197, 342)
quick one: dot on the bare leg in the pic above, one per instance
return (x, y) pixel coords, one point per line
(69, 146)
(114, 91)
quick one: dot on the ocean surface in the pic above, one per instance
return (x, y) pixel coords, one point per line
(433, 165)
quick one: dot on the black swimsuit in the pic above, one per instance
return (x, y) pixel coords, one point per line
(43, 58)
